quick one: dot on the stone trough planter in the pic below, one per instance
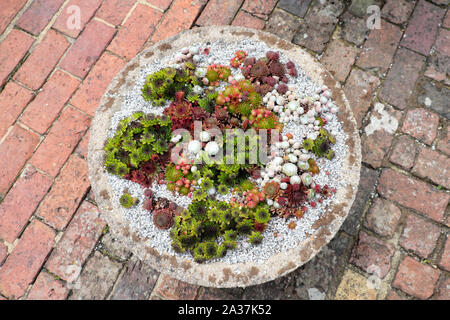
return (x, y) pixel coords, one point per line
(220, 274)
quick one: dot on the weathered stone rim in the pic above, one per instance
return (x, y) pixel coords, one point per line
(220, 274)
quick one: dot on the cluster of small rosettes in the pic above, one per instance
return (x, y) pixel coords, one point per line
(255, 95)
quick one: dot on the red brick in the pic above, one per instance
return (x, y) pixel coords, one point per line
(26, 259)
(423, 27)
(400, 81)
(295, 7)
(82, 148)
(180, 16)
(372, 255)
(416, 279)
(135, 32)
(446, 23)
(87, 48)
(20, 203)
(114, 11)
(419, 236)
(378, 134)
(41, 113)
(443, 143)
(13, 100)
(315, 32)
(397, 11)
(62, 139)
(259, 8)
(162, 4)
(445, 259)
(383, 217)
(421, 124)
(443, 290)
(442, 44)
(46, 287)
(3, 252)
(38, 15)
(173, 289)
(87, 10)
(283, 24)
(438, 64)
(42, 60)
(393, 296)
(353, 29)
(77, 243)
(404, 152)
(228, 9)
(412, 193)
(359, 90)
(12, 49)
(244, 19)
(15, 150)
(380, 47)
(8, 11)
(434, 166)
(66, 194)
(88, 96)
(339, 58)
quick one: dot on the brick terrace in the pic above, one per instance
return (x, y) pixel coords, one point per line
(54, 245)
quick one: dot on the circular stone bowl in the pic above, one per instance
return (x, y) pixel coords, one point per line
(220, 274)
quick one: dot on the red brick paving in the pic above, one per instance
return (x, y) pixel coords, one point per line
(244, 19)
(209, 16)
(3, 252)
(380, 48)
(46, 287)
(42, 60)
(114, 11)
(416, 279)
(135, 32)
(423, 27)
(61, 140)
(59, 107)
(359, 89)
(372, 255)
(419, 236)
(445, 260)
(383, 217)
(88, 48)
(421, 124)
(413, 193)
(17, 147)
(38, 15)
(434, 166)
(64, 22)
(26, 259)
(12, 50)
(8, 11)
(401, 78)
(77, 243)
(173, 289)
(88, 96)
(339, 68)
(66, 194)
(21, 202)
(404, 152)
(181, 16)
(44, 109)
(14, 98)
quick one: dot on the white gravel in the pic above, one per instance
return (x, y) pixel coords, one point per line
(141, 221)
